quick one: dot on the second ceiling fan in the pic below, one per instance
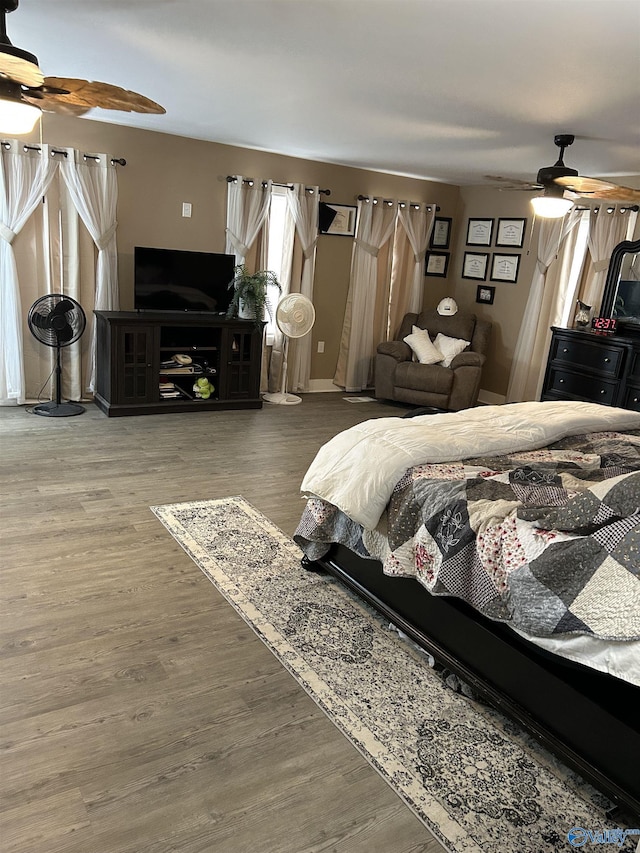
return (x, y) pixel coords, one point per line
(560, 177)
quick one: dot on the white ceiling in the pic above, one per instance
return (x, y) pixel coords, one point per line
(449, 90)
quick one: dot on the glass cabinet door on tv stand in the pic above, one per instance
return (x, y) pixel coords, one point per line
(241, 365)
(137, 381)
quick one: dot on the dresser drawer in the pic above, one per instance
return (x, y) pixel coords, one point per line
(631, 399)
(589, 355)
(576, 385)
(634, 368)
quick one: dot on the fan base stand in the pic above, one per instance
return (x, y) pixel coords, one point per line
(58, 410)
(282, 399)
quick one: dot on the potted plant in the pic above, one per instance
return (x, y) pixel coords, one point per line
(250, 300)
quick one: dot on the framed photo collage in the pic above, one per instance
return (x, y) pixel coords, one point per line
(502, 264)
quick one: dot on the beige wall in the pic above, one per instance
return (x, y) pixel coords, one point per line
(162, 171)
(510, 299)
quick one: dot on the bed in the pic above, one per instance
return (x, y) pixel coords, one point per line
(504, 540)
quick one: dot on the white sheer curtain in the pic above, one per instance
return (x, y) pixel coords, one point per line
(375, 226)
(24, 178)
(247, 209)
(93, 187)
(55, 254)
(528, 359)
(282, 229)
(607, 227)
(417, 220)
(303, 204)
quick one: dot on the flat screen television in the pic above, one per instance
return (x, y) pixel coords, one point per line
(176, 280)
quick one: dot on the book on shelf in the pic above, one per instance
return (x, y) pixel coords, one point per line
(178, 371)
(169, 391)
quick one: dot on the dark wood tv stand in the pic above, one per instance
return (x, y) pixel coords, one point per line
(133, 347)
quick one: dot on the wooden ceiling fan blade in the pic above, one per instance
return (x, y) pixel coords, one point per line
(596, 188)
(513, 183)
(19, 69)
(53, 103)
(625, 194)
(584, 185)
(90, 94)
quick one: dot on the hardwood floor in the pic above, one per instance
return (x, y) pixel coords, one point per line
(139, 714)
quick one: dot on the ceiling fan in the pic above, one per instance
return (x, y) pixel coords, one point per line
(25, 91)
(555, 180)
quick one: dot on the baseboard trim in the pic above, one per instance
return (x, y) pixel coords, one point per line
(320, 386)
(491, 399)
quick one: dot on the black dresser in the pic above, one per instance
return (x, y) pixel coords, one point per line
(598, 368)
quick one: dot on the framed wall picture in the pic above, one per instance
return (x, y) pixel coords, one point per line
(437, 263)
(485, 294)
(479, 232)
(338, 219)
(441, 234)
(505, 267)
(510, 232)
(474, 265)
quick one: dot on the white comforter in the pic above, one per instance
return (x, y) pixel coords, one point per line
(357, 470)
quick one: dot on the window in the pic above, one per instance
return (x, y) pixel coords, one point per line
(279, 252)
(577, 260)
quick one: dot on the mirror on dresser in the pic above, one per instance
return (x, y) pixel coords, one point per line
(621, 297)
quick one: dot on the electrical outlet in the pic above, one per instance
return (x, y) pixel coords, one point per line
(186, 208)
(320, 346)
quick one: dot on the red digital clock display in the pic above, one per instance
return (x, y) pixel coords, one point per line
(604, 325)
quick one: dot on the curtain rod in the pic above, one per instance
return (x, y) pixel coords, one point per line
(634, 208)
(401, 203)
(231, 179)
(119, 160)
(624, 208)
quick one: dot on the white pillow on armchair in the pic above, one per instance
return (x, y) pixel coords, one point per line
(450, 347)
(422, 347)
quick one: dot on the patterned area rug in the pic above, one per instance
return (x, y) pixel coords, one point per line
(475, 780)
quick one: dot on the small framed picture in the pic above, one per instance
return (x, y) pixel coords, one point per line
(511, 232)
(505, 267)
(437, 264)
(441, 234)
(474, 265)
(479, 232)
(485, 294)
(338, 219)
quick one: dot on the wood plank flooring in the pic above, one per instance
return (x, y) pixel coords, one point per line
(138, 712)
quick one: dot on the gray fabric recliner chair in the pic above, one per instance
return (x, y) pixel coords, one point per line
(399, 378)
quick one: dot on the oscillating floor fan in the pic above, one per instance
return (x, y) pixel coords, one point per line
(57, 321)
(295, 316)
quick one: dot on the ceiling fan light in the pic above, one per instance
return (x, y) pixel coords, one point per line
(551, 207)
(17, 116)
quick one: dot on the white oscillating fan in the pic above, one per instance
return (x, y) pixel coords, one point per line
(295, 316)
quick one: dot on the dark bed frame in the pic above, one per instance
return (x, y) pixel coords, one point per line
(587, 718)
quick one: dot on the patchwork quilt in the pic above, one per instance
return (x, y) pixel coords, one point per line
(547, 539)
